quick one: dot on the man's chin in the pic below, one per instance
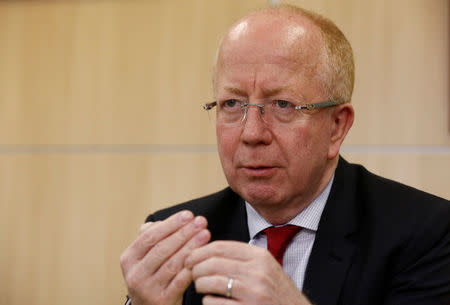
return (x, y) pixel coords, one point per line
(257, 194)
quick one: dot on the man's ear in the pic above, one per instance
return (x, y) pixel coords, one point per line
(342, 119)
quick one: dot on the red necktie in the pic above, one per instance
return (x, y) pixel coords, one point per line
(278, 238)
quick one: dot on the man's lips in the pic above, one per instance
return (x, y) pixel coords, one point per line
(258, 170)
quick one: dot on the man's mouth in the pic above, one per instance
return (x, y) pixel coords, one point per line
(259, 170)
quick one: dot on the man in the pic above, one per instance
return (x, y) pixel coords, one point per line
(283, 81)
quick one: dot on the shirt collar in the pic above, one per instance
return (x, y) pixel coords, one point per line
(308, 218)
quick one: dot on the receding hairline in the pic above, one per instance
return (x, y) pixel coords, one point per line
(337, 69)
(297, 15)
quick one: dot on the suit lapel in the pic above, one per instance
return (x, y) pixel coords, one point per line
(333, 248)
(227, 220)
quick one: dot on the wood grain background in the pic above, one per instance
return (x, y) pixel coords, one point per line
(101, 123)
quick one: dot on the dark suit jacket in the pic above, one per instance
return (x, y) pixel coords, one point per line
(378, 241)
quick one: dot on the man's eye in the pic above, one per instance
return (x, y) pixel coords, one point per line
(230, 103)
(283, 104)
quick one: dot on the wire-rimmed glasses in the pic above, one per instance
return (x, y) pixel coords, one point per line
(233, 111)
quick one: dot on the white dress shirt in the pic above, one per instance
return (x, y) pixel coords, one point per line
(297, 253)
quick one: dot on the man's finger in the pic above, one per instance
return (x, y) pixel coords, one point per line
(218, 266)
(156, 287)
(175, 264)
(228, 249)
(217, 284)
(213, 300)
(176, 284)
(180, 282)
(150, 237)
(147, 225)
(165, 248)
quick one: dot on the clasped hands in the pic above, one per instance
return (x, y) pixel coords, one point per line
(168, 255)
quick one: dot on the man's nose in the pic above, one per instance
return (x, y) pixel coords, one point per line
(255, 129)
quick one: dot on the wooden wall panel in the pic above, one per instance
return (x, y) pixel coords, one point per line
(130, 72)
(121, 72)
(77, 76)
(401, 53)
(67, 218)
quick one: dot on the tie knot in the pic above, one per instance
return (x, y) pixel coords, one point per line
(278, 238)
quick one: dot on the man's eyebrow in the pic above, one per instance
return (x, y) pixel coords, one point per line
(266, 92)
(236, 91)
(275, 91)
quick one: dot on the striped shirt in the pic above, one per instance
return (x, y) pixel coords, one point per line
(297, 254)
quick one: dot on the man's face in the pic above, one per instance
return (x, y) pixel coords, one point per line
(272, 165)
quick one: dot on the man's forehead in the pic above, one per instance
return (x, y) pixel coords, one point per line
(238, 30)
(266, 29)
(291, 29)
(271, 38)
(278, 46)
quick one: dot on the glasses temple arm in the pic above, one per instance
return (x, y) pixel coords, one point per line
(317, 105)
(209, 106)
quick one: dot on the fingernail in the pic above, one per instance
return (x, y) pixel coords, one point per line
(202, 236)
(185, 216)
(199, 221)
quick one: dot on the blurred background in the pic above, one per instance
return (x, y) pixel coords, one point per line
(101, 122)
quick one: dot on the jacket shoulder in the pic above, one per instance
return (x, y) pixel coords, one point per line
(386, 210)
(225, 212)
(389, 194)
(400, 218)
(199, 206)
(401, 237)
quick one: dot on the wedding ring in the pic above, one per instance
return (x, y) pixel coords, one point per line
(229, 287)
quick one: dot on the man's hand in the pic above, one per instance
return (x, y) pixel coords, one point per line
(153, 265)
(258, 278)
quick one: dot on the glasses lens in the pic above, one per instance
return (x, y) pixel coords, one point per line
(282, 111)
(212, 117)
(230, 112)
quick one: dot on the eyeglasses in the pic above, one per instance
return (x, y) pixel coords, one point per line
(233, 111)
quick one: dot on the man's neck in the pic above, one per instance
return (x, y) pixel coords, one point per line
(284, 212)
